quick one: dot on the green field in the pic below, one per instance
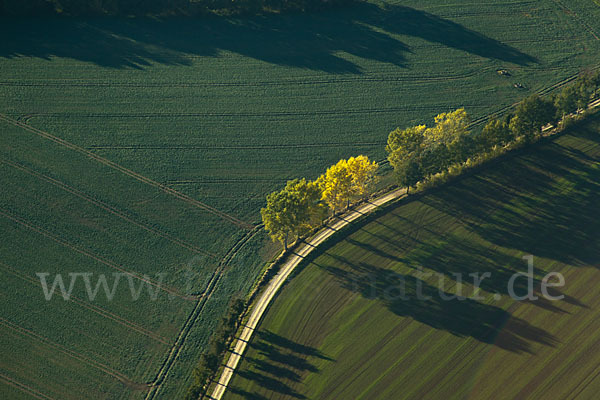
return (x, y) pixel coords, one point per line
(340, 329)
(148, 146)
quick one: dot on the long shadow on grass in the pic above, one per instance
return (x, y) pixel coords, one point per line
(245, 394)
(279, 361)
(544, 203)
(311, 41)
(410, 296)
(438, 242)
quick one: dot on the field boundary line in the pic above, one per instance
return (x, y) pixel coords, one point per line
(579, 390)
(73, 354)
(128, 172)
(91, 255)
(99, 310)
(25, 388)
(174, 352)
(105, 206)
(292, 261)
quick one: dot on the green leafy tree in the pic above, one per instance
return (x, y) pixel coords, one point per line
(447, 142)
(291, 211)
(567, 101)
(433, 158)
(495, 132)
(402, 143)
(518, 127)
(419, 151)
(586, 86)
(410, 173)
(449, 127)
(312, 210)
(531, 115)
(404, 147)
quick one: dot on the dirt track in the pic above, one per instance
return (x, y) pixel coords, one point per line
(289, 265)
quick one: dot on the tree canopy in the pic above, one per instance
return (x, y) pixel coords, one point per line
(495, 132)
(300, 206)
(418, 151)
(531, 115)
(292, 211)
(347, 180)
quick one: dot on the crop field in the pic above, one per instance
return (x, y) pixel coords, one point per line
(341, 328)
(144, 149)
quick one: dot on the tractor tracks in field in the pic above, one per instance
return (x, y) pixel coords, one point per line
(65, 243)
(66, 351)
(231, 147)
(24, 388)
(183, 197)
(247, 114)
(201, 300)
(300, 81)
(93, 308)
(175, 348)
(104, 206)
(583, 23)
(163, 372)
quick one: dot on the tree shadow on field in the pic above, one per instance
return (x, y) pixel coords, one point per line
(410, 296)
(245, 394)
(544, 203)
(311, 41)
(458, 259)
(280, 363)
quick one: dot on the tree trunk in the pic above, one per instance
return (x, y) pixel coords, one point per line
(285, 241)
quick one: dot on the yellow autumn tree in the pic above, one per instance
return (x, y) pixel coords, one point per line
(449, 127)
(347, 180)
(336, 185)
(363, 172)
(419, 151)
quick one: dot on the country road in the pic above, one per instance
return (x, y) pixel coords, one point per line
(293, 260)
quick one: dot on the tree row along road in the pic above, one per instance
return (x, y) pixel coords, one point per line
(293, 260)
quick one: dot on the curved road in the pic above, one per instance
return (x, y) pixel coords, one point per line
(288, 266)
(292, 262)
